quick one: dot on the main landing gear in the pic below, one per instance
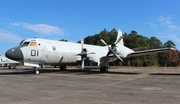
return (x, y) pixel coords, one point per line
(63, 68)
(104, 69)
(9, 67)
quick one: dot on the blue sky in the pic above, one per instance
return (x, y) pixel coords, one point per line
(76, 19)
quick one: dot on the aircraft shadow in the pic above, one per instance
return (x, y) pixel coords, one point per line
(68, 71)
(93, 71)
(169, 74)
(16, 73)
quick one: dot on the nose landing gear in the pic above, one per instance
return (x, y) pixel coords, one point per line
(36, 71)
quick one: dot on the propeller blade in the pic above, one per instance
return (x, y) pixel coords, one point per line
(82, 65)
(116, 55)
(119, 57)
(104, 42)
(82, 44)
(82, 54)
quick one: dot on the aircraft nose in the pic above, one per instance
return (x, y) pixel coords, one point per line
(14, 54)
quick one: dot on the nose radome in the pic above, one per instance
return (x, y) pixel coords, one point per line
(14, 54)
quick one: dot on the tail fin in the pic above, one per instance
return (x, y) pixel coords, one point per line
(119, 39)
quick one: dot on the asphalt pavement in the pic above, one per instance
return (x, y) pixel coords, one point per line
(135, 85)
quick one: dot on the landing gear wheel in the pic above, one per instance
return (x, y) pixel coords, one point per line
(104, 69)
(36, 71)
(62, 68)
(101, 69)
(43, 66)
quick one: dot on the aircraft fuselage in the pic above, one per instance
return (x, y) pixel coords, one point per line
(42, 51)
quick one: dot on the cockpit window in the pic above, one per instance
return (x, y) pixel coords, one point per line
(25, 44)
(33, 44)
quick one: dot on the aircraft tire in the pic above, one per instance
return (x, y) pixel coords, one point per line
(37, 72)
(104, 69)
(62, 68)
(101, 69)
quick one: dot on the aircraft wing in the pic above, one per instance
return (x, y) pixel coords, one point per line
(106, 59)
(145, 52)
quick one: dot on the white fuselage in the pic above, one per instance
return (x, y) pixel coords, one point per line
(5, 61)
(51, 51)
(34, 52)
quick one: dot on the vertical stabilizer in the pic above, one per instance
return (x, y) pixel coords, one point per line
(119, 39)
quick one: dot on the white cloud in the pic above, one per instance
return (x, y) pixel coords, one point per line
(8, 37)
(166, 28)
(171, 30)
(167, 22)
(170, 37)
(174, 37)
(40, 28)
(174, 27)
(152, 24)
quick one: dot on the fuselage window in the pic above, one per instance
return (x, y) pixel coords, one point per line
(54, 48)
(33, 44)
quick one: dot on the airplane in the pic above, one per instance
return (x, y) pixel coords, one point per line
(37, 51)
(4, 61)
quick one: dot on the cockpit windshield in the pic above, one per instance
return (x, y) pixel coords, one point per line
(25, 44)
(29, 43)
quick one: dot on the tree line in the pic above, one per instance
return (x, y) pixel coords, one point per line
(138, 42)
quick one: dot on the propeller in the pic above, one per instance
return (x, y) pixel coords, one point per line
(83, 54)
(112, 49)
